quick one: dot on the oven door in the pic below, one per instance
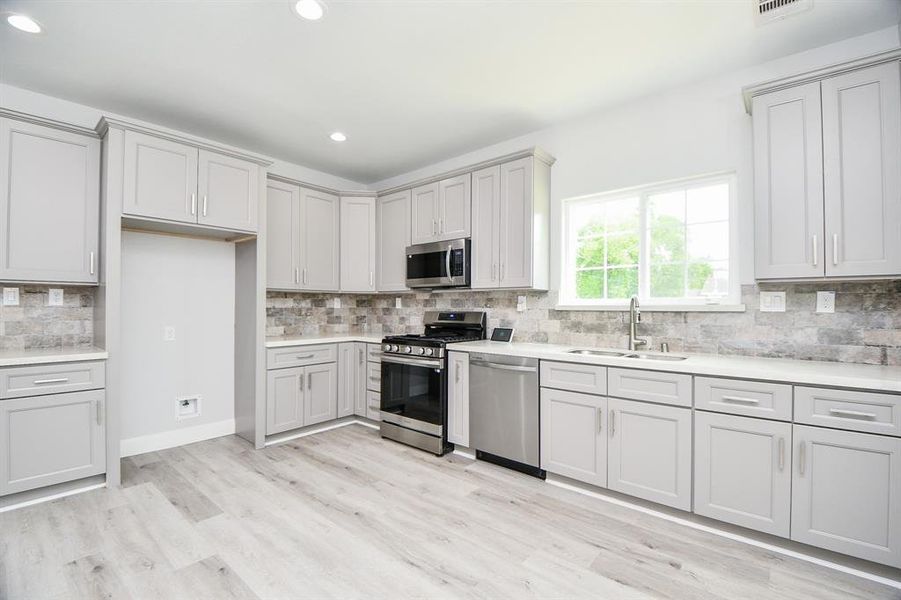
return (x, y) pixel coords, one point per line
(441, 264)
(414, 393)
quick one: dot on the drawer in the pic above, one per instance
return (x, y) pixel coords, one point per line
(575, 377)
(298, 356)
(650, 386)
(868, 412)
(18, 382)
(374, 377)
(374, 352)
(749, 398)
(373, 405)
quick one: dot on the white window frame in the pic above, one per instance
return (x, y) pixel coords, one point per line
(731, 302)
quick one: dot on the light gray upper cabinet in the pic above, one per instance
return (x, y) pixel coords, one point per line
(827, 176)
(649, 452)
(458, 398)
(347, 370)
(321, 393)
(51, 439)
(510, 230)
(573, 435)
(442, 210)
(393, 239)
(49, 204)
(862, 170)
(319, 239)
(743, 471)
(358, 244)
(788, 183)
(846, 493)
(228, 190)
(282, 232)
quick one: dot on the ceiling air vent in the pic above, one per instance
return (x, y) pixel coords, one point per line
(773, 10)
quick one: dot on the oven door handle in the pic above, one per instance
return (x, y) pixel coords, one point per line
(501, 367)
(415, 362)
(447, 260)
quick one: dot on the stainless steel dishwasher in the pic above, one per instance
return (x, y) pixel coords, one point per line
(503, 411)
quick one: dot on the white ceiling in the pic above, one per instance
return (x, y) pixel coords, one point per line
(409, 82)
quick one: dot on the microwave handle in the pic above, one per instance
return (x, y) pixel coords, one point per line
(447, 262)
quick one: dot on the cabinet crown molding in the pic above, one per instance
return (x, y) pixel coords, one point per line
(749, 91)
(37, 120)
(107, 122)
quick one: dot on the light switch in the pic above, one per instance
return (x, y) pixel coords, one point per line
(825, 302)
(772, 301)
(520, 303)
(398, 303)
(10, 296)
(55, 297)
(168, 333)
(337, 302)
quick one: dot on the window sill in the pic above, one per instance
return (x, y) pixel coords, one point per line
(728, 308)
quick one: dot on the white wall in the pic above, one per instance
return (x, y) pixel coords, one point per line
(692, 130)
(189, 284)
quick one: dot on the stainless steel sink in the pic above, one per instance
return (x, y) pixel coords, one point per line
(598, 352)
(667, 357)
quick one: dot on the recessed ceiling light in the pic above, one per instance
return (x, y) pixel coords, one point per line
(311, 10)
(24, 23)
(338, 137)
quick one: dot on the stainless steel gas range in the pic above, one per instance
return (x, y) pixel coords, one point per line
(414, 379)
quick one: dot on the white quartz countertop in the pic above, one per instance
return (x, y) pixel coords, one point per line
(830, 374)
(18, 358)
(308, 340)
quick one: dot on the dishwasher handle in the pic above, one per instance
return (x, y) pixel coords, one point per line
(490, 365)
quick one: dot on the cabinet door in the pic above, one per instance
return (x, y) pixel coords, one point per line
(862, 161)
(347, 370)
(282, 236)
(357, 244)
(846, 493)
(49, 204)
(573, 442)
(486, 206)
(321, 397)
(743, 471)
(360, 380)
(458, 398)
(455, 207)
(788, 183)
(424, 214)
(284, 399)
(228, 190)
(650, 452)
(160, 179)
(515, 238)
(51, 439)
(393, 239)
(319, 250)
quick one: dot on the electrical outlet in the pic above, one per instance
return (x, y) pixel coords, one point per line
(10, 296)
(55, 297)
(825, 302)
(520, 303)
(337, 302)
(772, 301)
(398, 303)
(187, 407)
(168, 333)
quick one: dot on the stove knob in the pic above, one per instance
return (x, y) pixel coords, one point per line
(408, 349)
(394, 347)
(420, 351)
(386, 347)
(429, 351)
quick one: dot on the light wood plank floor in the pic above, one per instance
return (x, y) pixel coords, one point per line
(345, 514)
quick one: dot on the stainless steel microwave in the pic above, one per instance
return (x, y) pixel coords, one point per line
(438, 264)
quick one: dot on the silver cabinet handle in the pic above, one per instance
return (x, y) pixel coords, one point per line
(835, 249)
(612, 422)
(92, 262)
(802, 457)
(300, 381)
(46, 381)
(304, 276)
(815, 251)
(309, 381)
(98, 409)
(304, 356)
(193, 203)
(853, 414)
(440, 225)
(371, 279)
(296, 275)
(493, 270)
(457, 373)
(204, 205)
(740, 400)
(434, 227)
(781, 453)
(600, 417)
(360, 352)
(501, 277)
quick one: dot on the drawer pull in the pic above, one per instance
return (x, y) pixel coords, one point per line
(740, 400)
(851, 414)
(46, 381)
(304, 357)
(378, 378)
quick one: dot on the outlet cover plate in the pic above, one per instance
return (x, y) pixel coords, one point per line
(772, 301)
(168, 333)
(825, 302)
(55, 297)
(11, 296)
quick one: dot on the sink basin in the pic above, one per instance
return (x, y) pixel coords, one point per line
(598, 352)
(667, 357)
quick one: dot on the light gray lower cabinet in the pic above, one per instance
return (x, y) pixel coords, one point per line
(51, 439)
(649, 451)
(573, 438)
(742, 471)
(359, 387)
(49, 204)
(846, 493)
(347, 370)
(458, 398)
(284, 399)
(321, 395)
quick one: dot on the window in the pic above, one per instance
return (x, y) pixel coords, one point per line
(667, 244)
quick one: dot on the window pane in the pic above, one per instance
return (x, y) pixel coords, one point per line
(668, 281)
(708, 278)
(622, 283)
(667, 204)
(622, 249)
(590, 253)
(590, 284)
(709, 203)
(667, 242)
(622, 215)
(708, 242)
(587, 219)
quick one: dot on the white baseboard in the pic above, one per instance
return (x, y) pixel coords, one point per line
(175, 437)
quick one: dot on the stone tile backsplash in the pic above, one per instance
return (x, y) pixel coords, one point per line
(33, 325)
(865, 328)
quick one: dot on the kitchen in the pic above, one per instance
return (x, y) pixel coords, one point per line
(639, 349)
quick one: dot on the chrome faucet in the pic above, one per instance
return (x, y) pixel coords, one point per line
(635, 319)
